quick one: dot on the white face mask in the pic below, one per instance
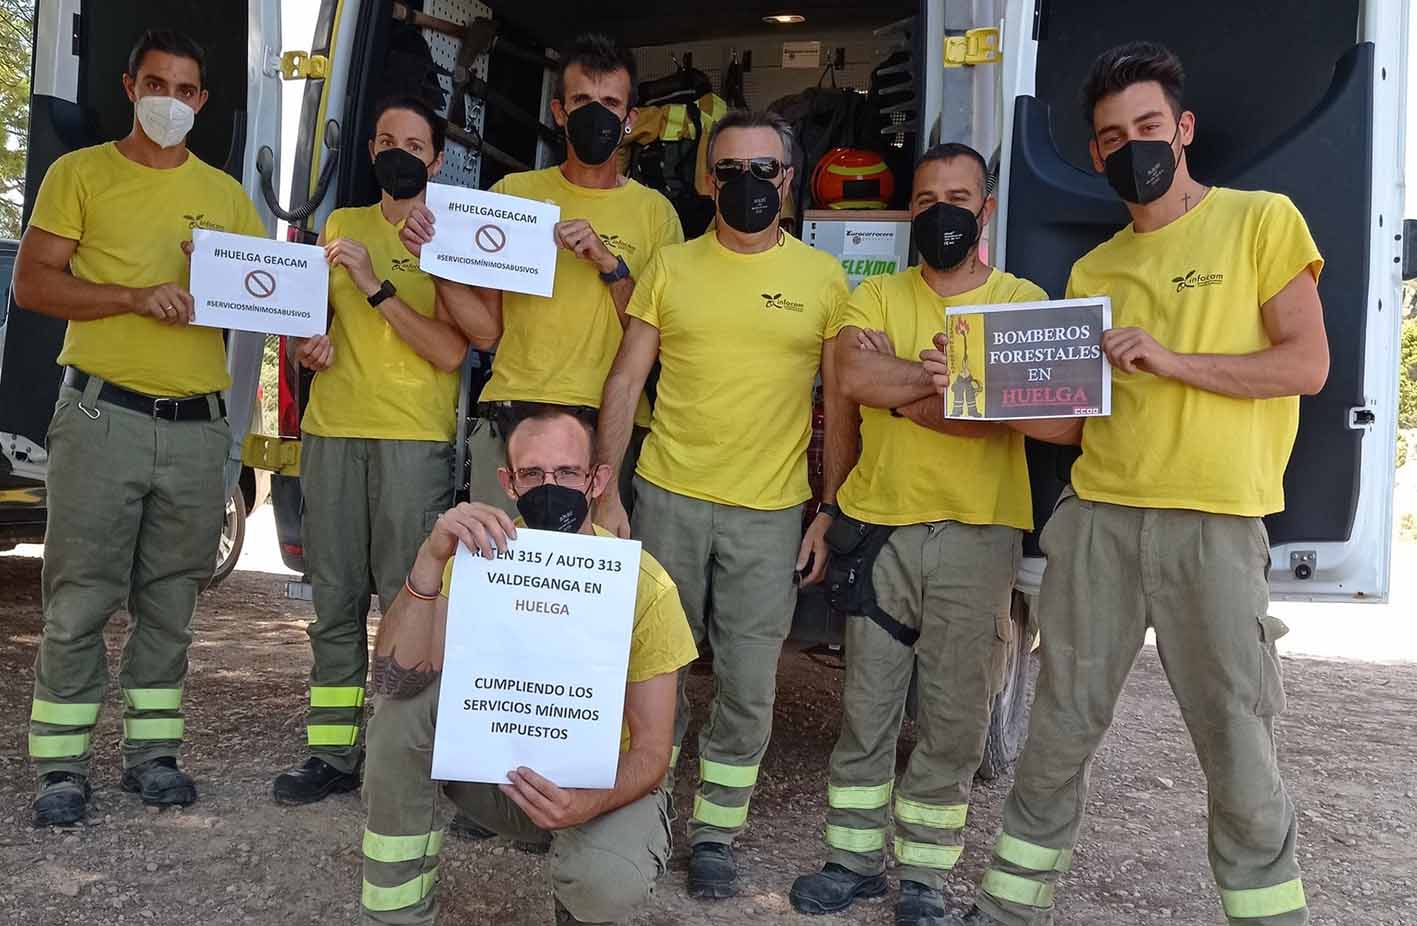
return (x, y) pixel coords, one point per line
(165, 119)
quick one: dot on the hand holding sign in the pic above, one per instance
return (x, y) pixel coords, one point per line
(417, 229)
(354, 258)
(578, 237)
(549, 806)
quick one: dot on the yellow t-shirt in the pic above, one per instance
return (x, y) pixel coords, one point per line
(912, 475)
(559, 349)
(130, 221)
(660, 641)
(1196, 286)
(378, 386)
(740, 343)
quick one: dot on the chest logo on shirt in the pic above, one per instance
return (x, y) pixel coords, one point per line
(199, 220)
(405, 265)
(776, 301)
(617, 244)
(1194, 279)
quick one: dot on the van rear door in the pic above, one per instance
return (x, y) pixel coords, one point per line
(80, 53)
(1303, 98)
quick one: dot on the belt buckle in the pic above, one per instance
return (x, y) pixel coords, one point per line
(160, 402)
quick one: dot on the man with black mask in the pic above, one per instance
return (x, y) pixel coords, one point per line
(559, 348)
(376, 458)
(738, 320)
(930, 521)
(1219, 330)
(608, 846)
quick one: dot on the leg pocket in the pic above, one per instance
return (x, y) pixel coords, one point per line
(1271, 695)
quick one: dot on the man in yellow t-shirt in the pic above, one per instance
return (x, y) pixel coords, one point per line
(376, 455)
(738, 320)
(138, 442)
(558, 349)
(1219, 330)
(608, 845)
(925, 545)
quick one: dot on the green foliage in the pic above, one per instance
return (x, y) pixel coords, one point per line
(1407, 378)
(16, 36)
(1401, 449)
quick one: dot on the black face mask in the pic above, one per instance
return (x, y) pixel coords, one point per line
(1141, 171)
(400, 174)
(749, 204)
(944, 233)
(551, 507)
(594, 132)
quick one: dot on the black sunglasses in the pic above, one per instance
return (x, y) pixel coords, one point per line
(725, 169)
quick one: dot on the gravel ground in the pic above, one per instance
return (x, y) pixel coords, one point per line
(1348, 745)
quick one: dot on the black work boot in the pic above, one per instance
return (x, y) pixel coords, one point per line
(975, 917)
(464, 827)
(833, 888)
(713, 875)
(313, 781)
(919, 906)
(63, 797)
(160, 783)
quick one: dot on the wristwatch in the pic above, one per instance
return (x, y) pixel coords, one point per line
(829, 509)
(621, 271)
(385, 290)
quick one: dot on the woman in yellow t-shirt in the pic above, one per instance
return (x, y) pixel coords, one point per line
(376, 458)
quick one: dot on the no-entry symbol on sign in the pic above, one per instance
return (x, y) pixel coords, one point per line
(260, 284)
(490, 238)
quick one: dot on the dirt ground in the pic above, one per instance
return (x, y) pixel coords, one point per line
(1348, 746)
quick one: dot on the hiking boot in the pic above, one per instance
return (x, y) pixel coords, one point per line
(975, 917)
(160, 783)
(63, 797)
(833, 888)
(920, 906)
(313, 781)
(464, 827)
(713, 875)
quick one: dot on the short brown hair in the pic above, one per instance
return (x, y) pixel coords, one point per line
(514, 415)
(1133, 63)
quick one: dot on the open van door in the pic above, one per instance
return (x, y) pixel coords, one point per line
(1302, 97)
(80, 53)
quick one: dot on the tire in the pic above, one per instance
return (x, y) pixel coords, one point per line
(1008, 723)
(233, 536)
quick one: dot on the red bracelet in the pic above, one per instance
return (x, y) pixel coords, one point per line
(408, 587)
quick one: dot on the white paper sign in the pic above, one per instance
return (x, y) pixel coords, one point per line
(256, 284)
(801, 54)
(535, 660)
(493, 240)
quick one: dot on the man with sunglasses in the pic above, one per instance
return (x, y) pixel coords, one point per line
(608, 846)
(737, 319)
(558, 349)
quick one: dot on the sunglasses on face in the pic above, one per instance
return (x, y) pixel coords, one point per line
(725, 169)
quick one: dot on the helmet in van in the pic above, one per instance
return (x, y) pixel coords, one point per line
(852, 178)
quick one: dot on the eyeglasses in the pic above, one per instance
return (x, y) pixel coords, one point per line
(571, 477)
(725, 169)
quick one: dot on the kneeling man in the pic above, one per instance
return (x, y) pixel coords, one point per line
(607, 846)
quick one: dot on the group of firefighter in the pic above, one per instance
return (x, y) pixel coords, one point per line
(919, 528)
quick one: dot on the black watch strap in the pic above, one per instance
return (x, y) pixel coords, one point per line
(828, 508)
(385, 290)
(621, 271)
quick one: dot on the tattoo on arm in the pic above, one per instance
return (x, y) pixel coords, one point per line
(397, 681)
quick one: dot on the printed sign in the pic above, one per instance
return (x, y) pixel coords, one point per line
(493, 240)
(256, 284)
(535, 659)
(802, 54)
(1029, 360)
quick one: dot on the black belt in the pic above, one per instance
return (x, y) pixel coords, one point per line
(192, 408)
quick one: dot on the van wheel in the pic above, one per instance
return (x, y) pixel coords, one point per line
(1009, 721)
(233, 535)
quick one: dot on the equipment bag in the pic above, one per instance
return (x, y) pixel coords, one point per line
(854, 546)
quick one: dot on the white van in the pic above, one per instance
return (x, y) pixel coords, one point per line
(1305, 97)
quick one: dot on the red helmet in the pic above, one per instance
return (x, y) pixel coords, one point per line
(852, 178)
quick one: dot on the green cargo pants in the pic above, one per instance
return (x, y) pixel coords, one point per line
(369, 505)
(951, 582)
(136, 506)
(1199, 580)
(487, 450)
(601, 871)
(733, 567)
